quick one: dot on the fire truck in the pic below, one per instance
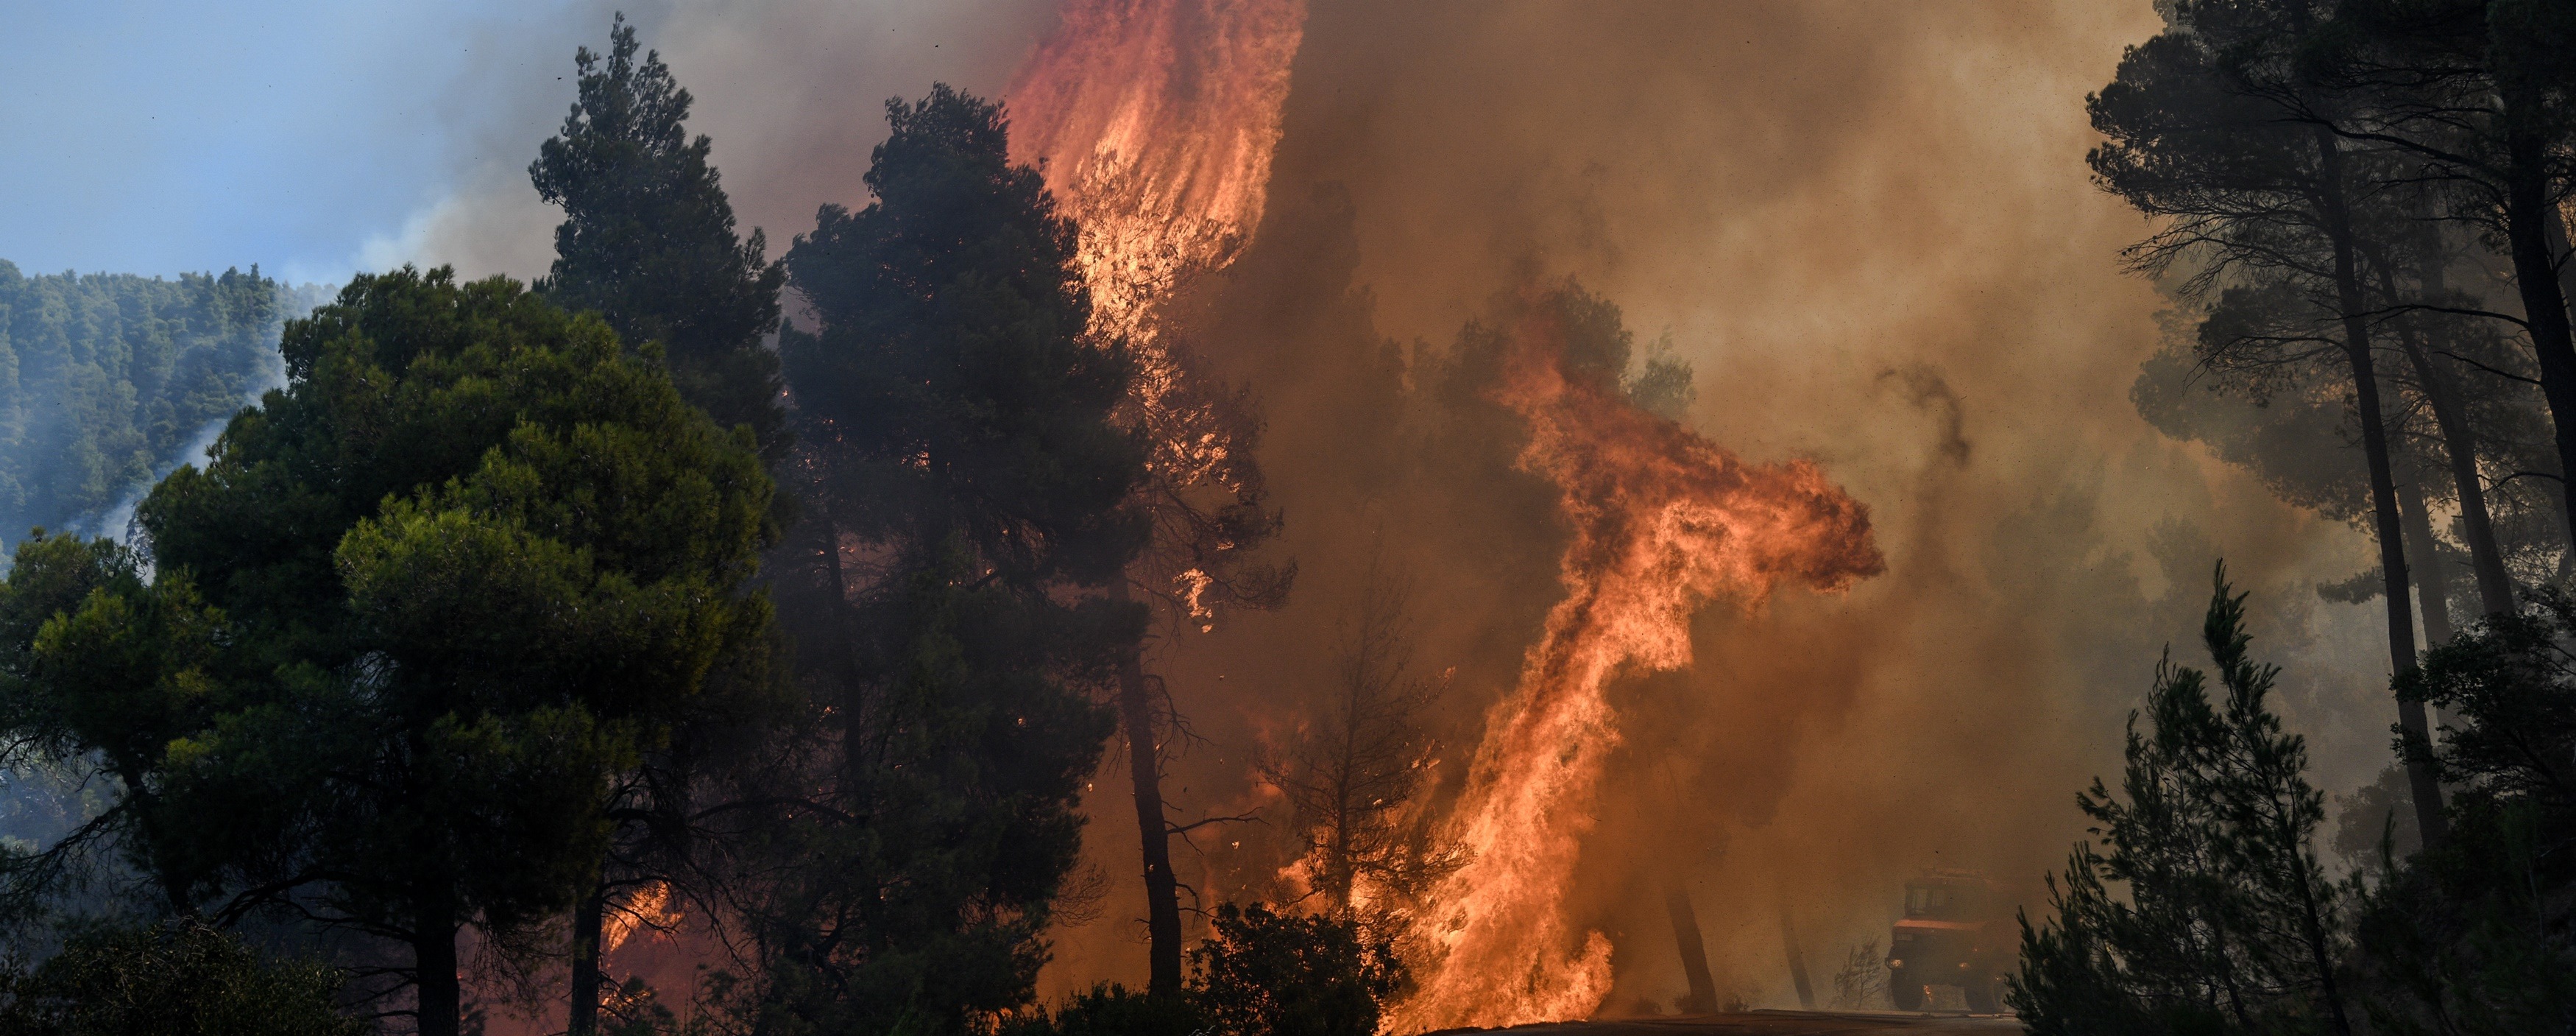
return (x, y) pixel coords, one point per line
(1957, 930)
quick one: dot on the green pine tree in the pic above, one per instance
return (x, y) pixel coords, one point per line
(2230, 924)
(648, 239)
(956, 425)
(470, 563)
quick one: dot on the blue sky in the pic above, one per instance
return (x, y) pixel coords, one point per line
(316, 137)
(157, 138)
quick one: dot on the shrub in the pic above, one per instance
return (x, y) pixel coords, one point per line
(1111, 1010)
(1267, 974)
(177, 979)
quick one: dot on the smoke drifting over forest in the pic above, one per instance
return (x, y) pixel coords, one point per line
(1868, 231)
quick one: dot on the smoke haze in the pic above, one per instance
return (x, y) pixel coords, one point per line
(1869, 230)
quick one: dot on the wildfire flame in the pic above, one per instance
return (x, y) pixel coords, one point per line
(649, 907)
(1664, 522)
(1155, 123)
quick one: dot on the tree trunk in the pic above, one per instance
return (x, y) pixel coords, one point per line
(2544, 305)
(2426, 792)
(433, 956)
(2459, 444)
(2424, 789)
(2553, 229)
(1162, 889)
(1703, 989)
(2432, 589)
(1797, 960)
(582, 1017)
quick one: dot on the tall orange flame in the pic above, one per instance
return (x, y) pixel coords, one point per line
(1155, 121)
(1664, 522)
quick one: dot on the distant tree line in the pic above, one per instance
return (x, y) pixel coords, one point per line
(107, 379)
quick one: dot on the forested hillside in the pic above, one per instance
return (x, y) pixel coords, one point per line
(109, 379)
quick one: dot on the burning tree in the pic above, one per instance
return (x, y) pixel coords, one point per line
(1155, 122)
(1351, 775)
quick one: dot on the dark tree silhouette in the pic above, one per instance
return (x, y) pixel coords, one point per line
(2479, 99)
(2207, 131)
(2229, 923)
(648, 239)
(968, 493)
(1352, 773)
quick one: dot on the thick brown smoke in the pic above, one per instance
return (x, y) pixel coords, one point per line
(1869, 230)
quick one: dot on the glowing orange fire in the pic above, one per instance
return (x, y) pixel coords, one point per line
(647, 908)
(1664, 522)
(1155, 121)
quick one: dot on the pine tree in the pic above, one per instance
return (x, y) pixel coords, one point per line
(459, 571)
(648, 240)
(966, 492)
(2230, 924)
(2214, 128)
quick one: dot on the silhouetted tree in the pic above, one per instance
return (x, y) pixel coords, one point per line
(1262, 973)
(1204, 500)
(2479, 98)
(179, 979)
(648, 239)
(2208, 130)
(2473, 935)
(1353, 770)
(967, 491)
(2229, 923)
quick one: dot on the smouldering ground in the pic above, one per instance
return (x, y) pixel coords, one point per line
(1771, 1023)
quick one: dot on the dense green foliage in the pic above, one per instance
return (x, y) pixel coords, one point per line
(102, 668)
(469, 563)
(1262, 973)
(106, 379)
(648, 240)
(955, 431)
(176, 979)
(1259, 973)
(648, 243)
